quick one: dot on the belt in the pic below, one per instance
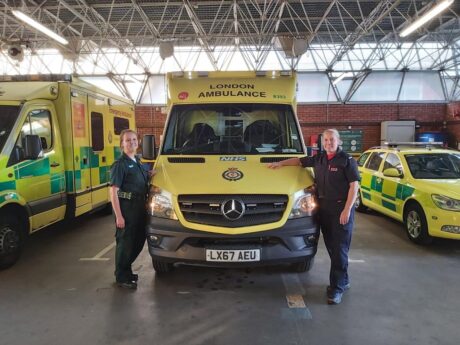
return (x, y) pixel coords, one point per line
(130, 195)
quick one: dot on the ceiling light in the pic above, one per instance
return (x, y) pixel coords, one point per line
(438, 8)
(36, 25)
(340, 77)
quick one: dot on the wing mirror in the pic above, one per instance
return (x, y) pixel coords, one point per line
(392, 172)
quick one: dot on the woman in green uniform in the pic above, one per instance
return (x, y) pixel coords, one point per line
(128, 191)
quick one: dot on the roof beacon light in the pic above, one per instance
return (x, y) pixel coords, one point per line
(36, 25)
(438, 8)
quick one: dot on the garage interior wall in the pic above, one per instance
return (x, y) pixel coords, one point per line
(314, 118)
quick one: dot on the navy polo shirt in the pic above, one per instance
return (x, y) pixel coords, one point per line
(333, 177)
(129, 175)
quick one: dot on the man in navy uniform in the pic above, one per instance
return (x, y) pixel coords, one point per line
(336, 177)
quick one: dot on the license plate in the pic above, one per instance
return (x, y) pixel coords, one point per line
(233, 255)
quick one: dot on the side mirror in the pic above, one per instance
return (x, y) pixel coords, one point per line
(148, 147)
(32, 147)
(392, 172)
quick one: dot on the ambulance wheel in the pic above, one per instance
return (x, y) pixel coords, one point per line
(416, 224)
(359, 204)
(303, 266)
(10, 240)
(162, 267)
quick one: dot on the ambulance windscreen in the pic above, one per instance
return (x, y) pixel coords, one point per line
(8, 116)
(232, 129)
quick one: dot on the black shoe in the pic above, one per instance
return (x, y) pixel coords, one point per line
(134, 277)
(127, 285)
(329, 289)
(336, 298)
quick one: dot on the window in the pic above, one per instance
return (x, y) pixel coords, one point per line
(37, 122)
(375, 160)
(362, 158)
(97, 131)
(393, 161)
(120, 124)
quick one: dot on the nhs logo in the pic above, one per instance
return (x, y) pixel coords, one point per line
(232, 159)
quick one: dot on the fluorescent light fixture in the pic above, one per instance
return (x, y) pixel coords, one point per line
(340, 77)
(438, 8)
(36, 25)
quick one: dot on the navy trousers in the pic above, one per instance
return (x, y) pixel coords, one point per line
(337, 239)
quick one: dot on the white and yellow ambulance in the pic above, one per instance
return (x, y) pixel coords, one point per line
(58, 138)
(213, 201)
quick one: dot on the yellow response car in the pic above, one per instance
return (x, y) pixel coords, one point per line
(417, 185)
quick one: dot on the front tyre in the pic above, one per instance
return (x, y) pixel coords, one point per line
(162, 267)
(10, 240)
(303, 266)
(416, 225)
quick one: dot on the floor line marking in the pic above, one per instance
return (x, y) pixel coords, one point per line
(297, 308)
(98, 256)
(356, 261)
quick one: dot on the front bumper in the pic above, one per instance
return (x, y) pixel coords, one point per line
(294, 242)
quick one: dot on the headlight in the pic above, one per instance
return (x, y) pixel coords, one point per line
(304, 204)
(446, 203)
(160, 203)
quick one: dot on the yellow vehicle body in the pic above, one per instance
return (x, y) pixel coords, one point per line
(425, 176)
(78, 126)
(236, 112)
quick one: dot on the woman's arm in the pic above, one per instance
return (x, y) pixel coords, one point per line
(287, 162)
(351, 197)
(120, 220)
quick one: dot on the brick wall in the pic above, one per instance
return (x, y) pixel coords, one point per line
(453, 123)
(315, 118)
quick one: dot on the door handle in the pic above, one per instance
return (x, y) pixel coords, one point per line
(54, 164)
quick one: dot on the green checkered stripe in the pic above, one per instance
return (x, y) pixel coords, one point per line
(402, 193)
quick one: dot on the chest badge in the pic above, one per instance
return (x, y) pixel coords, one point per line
(232, 174)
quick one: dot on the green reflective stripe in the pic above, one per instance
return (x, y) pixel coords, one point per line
(9, 185)
(94, 159)
(366, 196)
(375, 185)
(57, 183)
(388, 196)
(103, 174)
(77, 180)
(8, 196)
(389, 205)
(116, 152)
(38, 167)
(69, 181)
(85, 152)
(365, 188)
(403, 191)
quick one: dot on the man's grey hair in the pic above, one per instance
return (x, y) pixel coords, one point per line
(335, 133)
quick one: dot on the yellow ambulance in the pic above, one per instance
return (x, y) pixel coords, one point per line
(58, 139)
(213, 201)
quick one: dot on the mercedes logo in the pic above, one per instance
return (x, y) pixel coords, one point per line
(233, 209)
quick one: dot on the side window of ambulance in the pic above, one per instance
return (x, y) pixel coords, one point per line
(392, 161)
(120, 124)
(362, 158)
(97, 131)
(38, 122)
(375, 160)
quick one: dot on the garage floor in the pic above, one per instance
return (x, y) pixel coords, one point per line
(401, 294)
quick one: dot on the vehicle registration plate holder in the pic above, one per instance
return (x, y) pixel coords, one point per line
(232, 255)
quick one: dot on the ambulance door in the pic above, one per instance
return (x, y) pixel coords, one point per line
(40, 181)
(98, 151)
(392, 187)
(372, 181)
(81, 152)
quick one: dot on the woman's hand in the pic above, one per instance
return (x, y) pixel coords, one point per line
(345, 216)
(120, 221)
(274, 165)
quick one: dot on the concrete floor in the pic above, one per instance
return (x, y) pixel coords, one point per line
(401, 294)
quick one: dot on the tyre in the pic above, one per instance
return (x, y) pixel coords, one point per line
(303, 266)
(416, 224)
(359, 204)
(162, 267)
(11, 240)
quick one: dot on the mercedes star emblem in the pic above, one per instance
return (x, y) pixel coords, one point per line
(233, 209)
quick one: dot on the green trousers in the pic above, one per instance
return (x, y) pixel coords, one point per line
(130, 240)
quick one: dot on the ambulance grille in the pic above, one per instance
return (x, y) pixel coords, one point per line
(272, 159)
(207, 209)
